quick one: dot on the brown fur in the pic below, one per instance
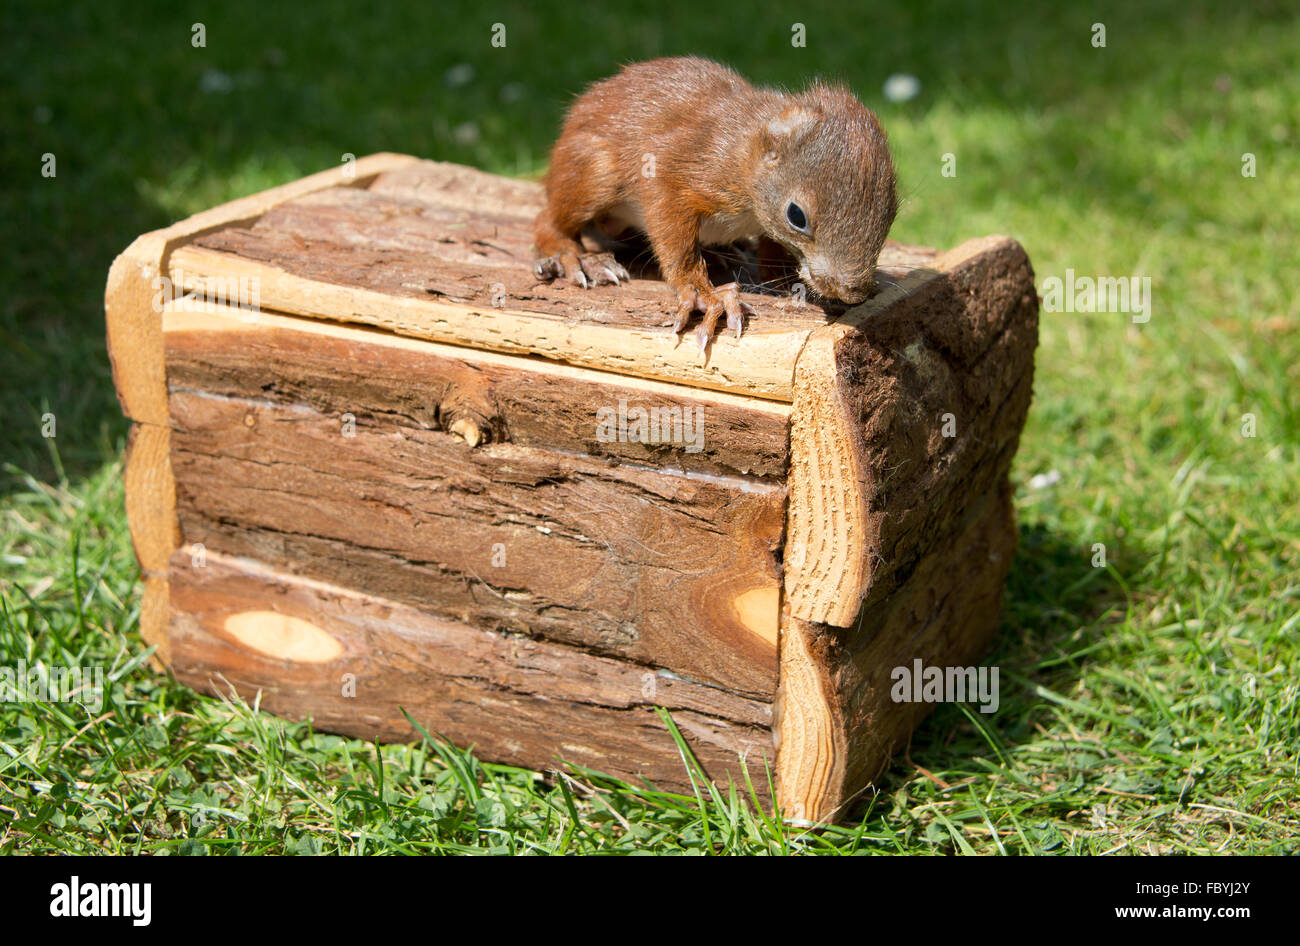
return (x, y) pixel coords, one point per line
(720, 147)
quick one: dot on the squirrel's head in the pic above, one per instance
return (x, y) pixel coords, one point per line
(825, 188)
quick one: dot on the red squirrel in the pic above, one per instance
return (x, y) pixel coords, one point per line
(687, 151)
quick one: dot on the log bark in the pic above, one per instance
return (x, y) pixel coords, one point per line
(907, 414)
(379, 378)
(356, 664)
(670, 570)
(906, 409)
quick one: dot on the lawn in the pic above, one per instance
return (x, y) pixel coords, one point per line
(1149, 705)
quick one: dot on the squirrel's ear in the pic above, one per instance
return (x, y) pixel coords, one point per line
(791, 125)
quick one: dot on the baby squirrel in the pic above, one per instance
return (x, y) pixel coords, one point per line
(687, 151)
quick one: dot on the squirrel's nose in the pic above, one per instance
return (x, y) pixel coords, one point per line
(851, 294)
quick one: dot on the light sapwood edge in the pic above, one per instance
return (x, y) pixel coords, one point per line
(221, 317)
(760, 364)
(150, 497)
(827, 565)
(155, 616)
(808, 732)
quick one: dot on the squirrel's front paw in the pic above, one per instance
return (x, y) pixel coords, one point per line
(713, 302)
(587, 270)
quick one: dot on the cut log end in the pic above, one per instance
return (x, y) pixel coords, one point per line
(468, 431)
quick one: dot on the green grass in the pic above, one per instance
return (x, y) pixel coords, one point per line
(1150, 706)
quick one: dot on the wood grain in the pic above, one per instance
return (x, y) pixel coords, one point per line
(299, 644)
(760, 364)
(150, 499)
(377, 376)
(671, 570)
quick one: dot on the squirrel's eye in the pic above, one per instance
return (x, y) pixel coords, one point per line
(798, 219)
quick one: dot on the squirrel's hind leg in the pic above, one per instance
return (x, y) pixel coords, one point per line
(581, 185)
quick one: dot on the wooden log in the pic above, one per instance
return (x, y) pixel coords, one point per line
(905, 408)
(672, 570)
(300, 285)
(352, 663)
(377, 376)
(849, 510)
(901, 529)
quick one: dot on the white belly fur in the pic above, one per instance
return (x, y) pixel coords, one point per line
(714, 231)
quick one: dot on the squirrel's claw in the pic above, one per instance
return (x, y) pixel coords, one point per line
(546, 268)
(714, 303)
(688, 300)
(598, 269)
(727, 300)
(736, 316)
(587, 270)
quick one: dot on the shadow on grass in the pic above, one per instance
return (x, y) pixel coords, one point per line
(1053, 614)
